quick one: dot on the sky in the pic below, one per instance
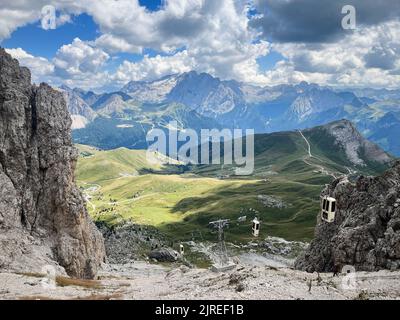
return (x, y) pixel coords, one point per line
(103, 44)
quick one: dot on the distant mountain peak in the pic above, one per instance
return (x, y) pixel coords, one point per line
(65, 88)
(151, 91)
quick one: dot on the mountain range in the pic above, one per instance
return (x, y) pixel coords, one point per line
(122, 119)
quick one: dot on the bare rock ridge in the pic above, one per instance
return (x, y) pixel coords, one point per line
(354, 144)
(43, 219)
(366, 230)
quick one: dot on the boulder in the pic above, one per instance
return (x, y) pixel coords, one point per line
(164, 255)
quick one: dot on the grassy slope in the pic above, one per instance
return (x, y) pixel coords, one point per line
(96, 166)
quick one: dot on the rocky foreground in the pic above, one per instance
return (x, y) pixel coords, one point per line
(43, 219)
(366, 230)
(142, 280)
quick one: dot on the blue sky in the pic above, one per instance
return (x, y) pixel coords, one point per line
(45, 43)
(103, 44)
(151, 4)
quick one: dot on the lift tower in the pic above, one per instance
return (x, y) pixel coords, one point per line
(223, 262)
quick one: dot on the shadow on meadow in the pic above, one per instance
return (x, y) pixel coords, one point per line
(295, 221)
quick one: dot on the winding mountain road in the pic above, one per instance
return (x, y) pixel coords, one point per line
(310, 155)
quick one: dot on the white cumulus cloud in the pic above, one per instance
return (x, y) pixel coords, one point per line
(210, 36)
(79, 57)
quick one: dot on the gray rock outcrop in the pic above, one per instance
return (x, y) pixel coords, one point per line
(164, 255)
(366, 230)
(43, 219)
(354, 144)
(126, 242)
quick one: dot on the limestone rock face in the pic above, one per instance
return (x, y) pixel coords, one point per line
(366, 231)
(43, 219)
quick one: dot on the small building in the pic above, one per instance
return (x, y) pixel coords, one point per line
(256, 227)
(181, 249)
(328, 209)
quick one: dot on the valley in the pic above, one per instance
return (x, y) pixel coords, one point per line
(291, 168)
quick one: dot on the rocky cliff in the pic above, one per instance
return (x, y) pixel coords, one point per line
(366, 230)
(43, 220)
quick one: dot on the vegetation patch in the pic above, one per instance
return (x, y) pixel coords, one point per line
(89, 284)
